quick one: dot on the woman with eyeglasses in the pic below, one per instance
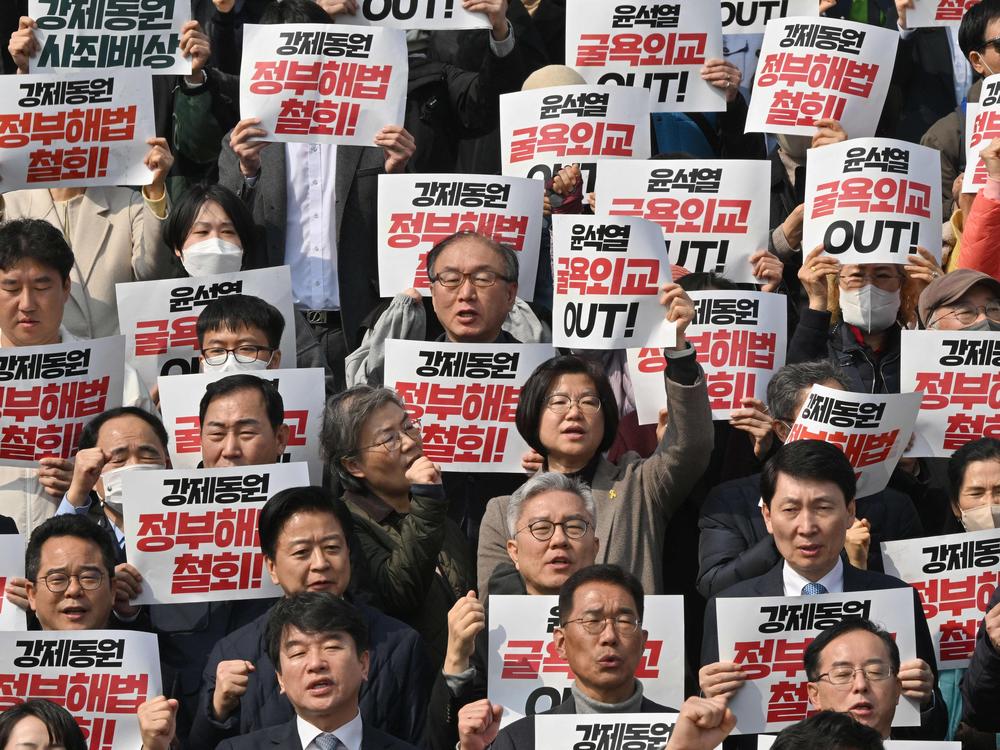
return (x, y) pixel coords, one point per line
(856, 313)
(418, 560)
(567, 413)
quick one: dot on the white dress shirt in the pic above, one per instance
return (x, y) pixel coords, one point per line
(793, 582)
(311, 224)
(349, 734)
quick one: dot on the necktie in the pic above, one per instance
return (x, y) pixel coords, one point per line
(814, 588)
(328, 741)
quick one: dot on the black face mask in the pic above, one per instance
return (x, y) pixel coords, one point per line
(984, 325)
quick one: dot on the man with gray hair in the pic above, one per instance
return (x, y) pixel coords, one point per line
(734, 543)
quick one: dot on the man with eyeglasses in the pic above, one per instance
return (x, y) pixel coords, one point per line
(601, 637)
(963, 300)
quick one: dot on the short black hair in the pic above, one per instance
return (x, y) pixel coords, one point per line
(313, 612)
(244, 381)
(62, 727)
(814, 460)
(177, 225)
(236, 311)
(531, 402)
(707, 281)
(283, 505)
(972, 31)
(37, 240)
(507, 254)
(88, 437)
(294, 11)
(71, 525)
(828, 730)
(602, 573)
(814, 650)
(984, 449)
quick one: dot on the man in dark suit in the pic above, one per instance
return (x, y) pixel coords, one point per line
(601, 636)
(808, 489)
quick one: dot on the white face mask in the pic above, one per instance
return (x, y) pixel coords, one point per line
(211, 256)
(231, 365)
(112, 481)
(869, 308)
(982, 518)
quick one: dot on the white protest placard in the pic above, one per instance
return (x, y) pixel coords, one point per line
(937, 12)
(465, 396)
(871, 429)
(159, 318)
(765, 741)
(97, 34)
(608, 272)
(982, 125)
(752, 16)
(713, 213)
(192, 533)
(739, 339)
(415, 212)
(958, 373)
(317, 83)
(873, 200)
(429, 15)
(100, 676)
(50, 392)
(302, 392)
(955, 575)
(768, 636)
(544, 130)
(12, 617)
(75, 129)
(580, 731)
(821, 68)
(659, 47)
(527, 675)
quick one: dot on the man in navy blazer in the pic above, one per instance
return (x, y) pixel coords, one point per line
(808, 490)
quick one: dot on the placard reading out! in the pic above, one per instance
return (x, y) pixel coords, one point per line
(316, 83)
(192, 533)
(110, 34)
(12, 617)
(872, 430)
(465, 396)
(938, 12)
(544, 130)
(302, 392)
(752, 16)
(739, 339)
(436, 15)
(48, 393)
(527, 675)
(955, 576)
(661, 47)
(159, 318)
(75, 129)
(768, 636)
(818, 68)
(713, 214)
(982, 125)
(873, 200)
(615, 732)
(100, 676)
(415, 212)
(608, 272)
(958, 373)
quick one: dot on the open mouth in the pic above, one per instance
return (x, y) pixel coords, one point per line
(319, 686)
(74, 614)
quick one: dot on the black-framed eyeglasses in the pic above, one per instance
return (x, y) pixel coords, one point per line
(560, 404)
(967, 314)
(246, 354)
(844, 676)
(392, 443)
(89, 580)
(623, 624)
(994, 43)
(574, 528)
(455, 279)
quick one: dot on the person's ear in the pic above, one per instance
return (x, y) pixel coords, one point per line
(559, 639)
(365, 663)
(272, 569)
(275, 360)
(281, 434)
(851, 509)
(765, 511)
(353, 467)
(511, 295)
(67, 286)
(512, 551)
(814, 695)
